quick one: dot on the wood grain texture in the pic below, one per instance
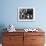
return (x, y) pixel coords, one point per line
(23, 39)
(13, 39)
(34, 39)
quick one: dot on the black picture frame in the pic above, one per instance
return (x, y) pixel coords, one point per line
(26, 14)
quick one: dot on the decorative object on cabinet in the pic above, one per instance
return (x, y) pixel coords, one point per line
(26, 14)
(26, 30)
(11, 28)
(23, 39)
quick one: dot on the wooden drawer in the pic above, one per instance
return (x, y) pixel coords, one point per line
(13, 33)
(37, 45)
(34, 39)
(12, 39)
(37, 39)
(12, 44)
(34, 33)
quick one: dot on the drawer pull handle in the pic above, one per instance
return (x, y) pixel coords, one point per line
(33, 39)
(10, 38)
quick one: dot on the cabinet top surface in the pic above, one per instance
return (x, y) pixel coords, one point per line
(22, 30)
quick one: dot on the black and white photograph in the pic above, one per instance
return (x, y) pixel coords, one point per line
(26, 14)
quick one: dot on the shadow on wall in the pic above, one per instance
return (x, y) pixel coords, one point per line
(2, 26)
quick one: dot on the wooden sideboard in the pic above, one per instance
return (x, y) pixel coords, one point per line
(23, 39)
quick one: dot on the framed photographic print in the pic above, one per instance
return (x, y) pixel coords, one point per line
(26, 14)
